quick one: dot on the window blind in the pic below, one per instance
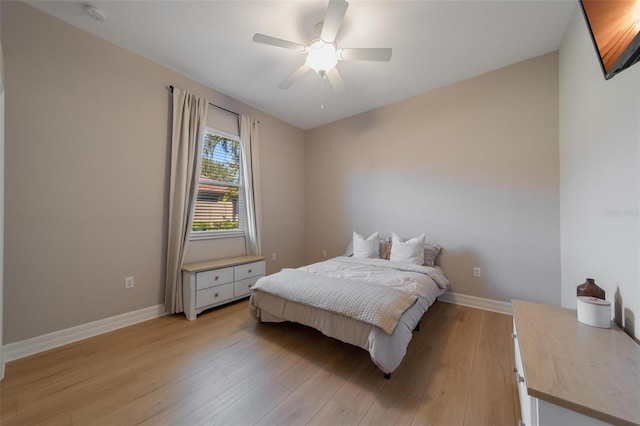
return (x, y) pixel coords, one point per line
(220, 207)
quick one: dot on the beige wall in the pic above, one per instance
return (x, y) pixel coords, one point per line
(599, 176)
(86, 177)
(474, 165)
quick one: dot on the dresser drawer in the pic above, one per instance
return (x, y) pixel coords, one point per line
(214, 277)
(243, 287)
(219, 281)
(248, 270)
(213, 295)
(528, 405)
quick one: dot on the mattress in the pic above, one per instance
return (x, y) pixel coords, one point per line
(386, 350)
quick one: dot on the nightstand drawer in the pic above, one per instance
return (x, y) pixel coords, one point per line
(212, 295)
(243, 287)
(214, 277)
(248, 270)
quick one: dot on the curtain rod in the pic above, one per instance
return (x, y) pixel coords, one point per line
(216, 106)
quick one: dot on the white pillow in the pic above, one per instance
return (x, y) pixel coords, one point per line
(385, 249)
(411, 251)
(366, 248)
(349, 251)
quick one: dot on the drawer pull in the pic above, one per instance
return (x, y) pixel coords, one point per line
(249, 270)
(216, 278)
(216, 295)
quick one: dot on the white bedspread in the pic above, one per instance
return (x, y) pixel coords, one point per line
(413, 279)
(386, 350)
(365, 301)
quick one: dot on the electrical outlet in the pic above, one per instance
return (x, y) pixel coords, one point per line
(324, 253)
(274, 257)
(128, 282)
(477, 272)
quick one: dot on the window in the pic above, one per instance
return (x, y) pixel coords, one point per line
(220, 207)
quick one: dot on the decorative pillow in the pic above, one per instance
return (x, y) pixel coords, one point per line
(366, 248)
(385, 249)
(411, 251)
(431, 252)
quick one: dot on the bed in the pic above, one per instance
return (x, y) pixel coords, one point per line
(380, 302)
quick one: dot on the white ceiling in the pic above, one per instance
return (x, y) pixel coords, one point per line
(435, 43)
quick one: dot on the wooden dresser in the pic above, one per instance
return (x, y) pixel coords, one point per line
(570, 373)
(213, 283)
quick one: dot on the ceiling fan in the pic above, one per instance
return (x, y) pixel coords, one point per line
(322, 52)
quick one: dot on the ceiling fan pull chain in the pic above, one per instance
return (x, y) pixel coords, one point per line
(322, 94)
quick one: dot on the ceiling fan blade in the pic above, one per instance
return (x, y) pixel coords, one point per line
(278, 42)
(333, 20)
(293, 77)
(366, 54)
(335, 80)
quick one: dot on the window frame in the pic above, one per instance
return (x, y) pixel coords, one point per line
(242, 220)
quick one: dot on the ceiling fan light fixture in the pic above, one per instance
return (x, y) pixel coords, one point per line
(322, 53)
(322, 56)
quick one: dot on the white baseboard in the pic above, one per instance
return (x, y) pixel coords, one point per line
(23, 348)
(477, 302)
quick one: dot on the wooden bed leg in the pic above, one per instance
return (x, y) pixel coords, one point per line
(417, 327)
(387, 376)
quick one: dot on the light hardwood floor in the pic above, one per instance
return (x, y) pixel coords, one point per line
(225, 368)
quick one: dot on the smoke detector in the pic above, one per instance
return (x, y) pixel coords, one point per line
(95, 12)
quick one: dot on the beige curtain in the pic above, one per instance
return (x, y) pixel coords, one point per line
(249, 140)
(189, 117)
